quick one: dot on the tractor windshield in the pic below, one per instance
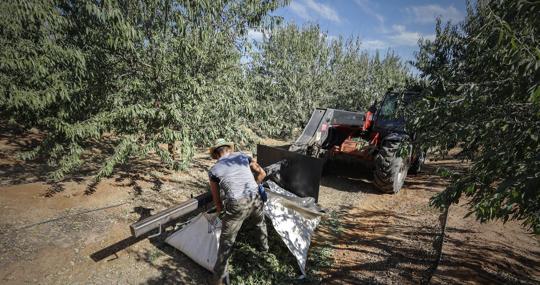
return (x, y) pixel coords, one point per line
(389, 107)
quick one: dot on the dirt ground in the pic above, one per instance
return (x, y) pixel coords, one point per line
(76, 232)
(391, 239)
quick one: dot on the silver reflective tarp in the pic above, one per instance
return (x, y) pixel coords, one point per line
(294, 219)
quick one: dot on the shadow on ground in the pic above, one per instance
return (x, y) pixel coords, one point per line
(134, 174)
(174, 267)
(373, 244)
(393, 242)
(487, 262)
(349, 184)
(385, 247)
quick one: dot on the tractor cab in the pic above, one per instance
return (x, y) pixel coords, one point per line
(389, 117)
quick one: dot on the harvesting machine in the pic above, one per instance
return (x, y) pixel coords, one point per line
(373, 145)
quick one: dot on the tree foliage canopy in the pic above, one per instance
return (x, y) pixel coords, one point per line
(140, 74)
(296, 69)
(145, 72)
(483, 93)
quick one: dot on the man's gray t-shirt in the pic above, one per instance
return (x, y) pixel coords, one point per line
(234, 175)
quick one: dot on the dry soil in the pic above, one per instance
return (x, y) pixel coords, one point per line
(77, 232)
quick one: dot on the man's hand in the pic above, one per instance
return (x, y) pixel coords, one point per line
(258, 171)
(214, 189)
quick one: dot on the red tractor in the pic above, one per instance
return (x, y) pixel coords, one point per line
(374, 144)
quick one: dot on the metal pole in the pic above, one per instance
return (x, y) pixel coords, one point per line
(162, 218)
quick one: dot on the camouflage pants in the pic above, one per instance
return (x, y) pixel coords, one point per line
(236, 212)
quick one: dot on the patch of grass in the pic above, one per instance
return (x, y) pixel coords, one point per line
(154, 255)
(320, 256)
(248, 266)
(333, 222)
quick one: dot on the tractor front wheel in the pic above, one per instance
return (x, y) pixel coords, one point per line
(390, 168)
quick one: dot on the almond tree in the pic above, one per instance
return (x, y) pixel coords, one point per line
(296, 69)
(134, 73)
(483, 93)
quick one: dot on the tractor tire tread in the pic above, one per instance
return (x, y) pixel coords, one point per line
(384, 171)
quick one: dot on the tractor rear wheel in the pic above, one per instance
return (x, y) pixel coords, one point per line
(390, 168)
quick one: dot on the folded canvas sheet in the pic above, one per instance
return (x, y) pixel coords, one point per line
(294, 219)
(199, 239)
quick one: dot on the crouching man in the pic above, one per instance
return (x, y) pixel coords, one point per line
(238, 175)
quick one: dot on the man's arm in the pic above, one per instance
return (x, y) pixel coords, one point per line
(214, 189)
(258, 171)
